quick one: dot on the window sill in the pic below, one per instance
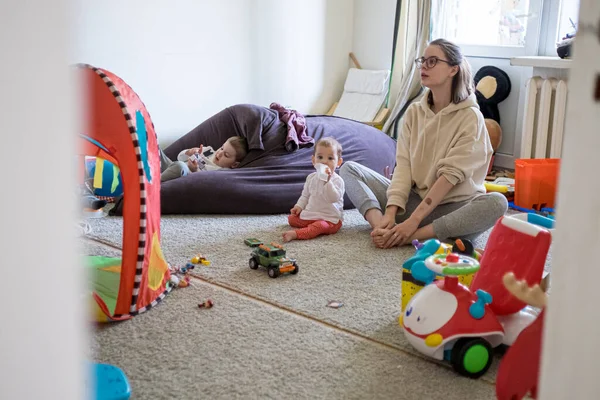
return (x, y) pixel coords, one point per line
(541, 62)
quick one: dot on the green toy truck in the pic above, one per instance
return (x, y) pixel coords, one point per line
(272, 256)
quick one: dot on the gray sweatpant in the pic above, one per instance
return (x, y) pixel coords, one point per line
(171, 169)
(465, 219)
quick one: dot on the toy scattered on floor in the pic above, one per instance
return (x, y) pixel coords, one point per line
(447, 320)
(410, 285)
(110, 383)
(272, 256)
(206, 304)
(180, 275)
(335, 304)
(519, 369)
(199, 259)
(503, 185)
(547, 212)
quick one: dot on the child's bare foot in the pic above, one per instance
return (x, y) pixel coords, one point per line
(378, 240)
(288, 236)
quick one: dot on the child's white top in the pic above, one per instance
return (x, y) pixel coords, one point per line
(206, 162)
(322, 200)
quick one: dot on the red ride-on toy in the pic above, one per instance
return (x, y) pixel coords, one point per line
(449, 321)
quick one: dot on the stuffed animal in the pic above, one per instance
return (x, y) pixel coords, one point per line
(492, 86)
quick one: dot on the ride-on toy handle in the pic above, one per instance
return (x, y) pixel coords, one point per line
(452, 265)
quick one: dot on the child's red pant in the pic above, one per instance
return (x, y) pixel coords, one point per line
(312, 229)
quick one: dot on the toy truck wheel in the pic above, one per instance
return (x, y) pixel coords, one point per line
(295, 270)
(471, 357)
(253, 264)
(273, 271)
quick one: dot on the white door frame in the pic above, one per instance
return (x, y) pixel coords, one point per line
(571, 345)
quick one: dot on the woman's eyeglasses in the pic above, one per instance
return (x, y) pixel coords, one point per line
(430, 62)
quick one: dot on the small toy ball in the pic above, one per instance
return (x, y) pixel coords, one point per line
(207, 304)
(175, 280)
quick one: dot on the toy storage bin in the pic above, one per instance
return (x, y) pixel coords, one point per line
(536, 182)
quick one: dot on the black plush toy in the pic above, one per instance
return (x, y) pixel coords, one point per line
(492, 86)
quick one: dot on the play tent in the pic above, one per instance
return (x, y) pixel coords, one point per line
(117, 128)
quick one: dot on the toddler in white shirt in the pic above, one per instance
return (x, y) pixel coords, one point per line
(319, 210)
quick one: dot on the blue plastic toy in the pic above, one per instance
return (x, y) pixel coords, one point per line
(110, 383)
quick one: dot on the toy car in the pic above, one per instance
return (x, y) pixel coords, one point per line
(273, 257)
(448, 321)
(252, 242)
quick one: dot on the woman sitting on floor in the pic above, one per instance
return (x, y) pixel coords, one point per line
(442, 158)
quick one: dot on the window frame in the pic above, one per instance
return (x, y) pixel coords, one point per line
(533, 34)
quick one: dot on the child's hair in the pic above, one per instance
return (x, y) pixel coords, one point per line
(240, 145)
(329, 142)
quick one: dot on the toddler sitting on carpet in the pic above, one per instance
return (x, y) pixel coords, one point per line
(320, 207)
(204, 158)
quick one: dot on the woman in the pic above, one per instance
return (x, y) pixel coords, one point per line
(442, 158)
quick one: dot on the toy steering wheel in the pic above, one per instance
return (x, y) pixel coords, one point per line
(445, 265)
(452, 264)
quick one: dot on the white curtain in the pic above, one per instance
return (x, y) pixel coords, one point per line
(412, 36)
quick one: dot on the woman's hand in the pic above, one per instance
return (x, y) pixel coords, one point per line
(296, 210)
(389, 218)
(400, 234)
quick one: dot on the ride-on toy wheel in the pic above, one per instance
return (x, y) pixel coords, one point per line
(253, 264)
(295, 270)
(471, 357)
(273, 272)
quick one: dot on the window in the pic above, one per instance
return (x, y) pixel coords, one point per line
(489, 28)
(568, 18)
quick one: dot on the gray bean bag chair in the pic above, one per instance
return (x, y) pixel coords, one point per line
(270, 179)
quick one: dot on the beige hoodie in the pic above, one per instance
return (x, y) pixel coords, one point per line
(453, 143)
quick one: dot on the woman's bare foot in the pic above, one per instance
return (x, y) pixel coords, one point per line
(288, 236)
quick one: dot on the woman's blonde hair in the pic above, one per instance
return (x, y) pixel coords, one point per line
(462, 82)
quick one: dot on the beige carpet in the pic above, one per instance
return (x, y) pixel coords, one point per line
(272, 313)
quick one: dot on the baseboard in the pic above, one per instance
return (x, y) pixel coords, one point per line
(504, 161)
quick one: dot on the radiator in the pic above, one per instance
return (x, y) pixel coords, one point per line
(544, 118)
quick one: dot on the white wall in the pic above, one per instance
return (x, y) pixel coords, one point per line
(374, 32)
(301, 49)
(42, 334)
(188, 59)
